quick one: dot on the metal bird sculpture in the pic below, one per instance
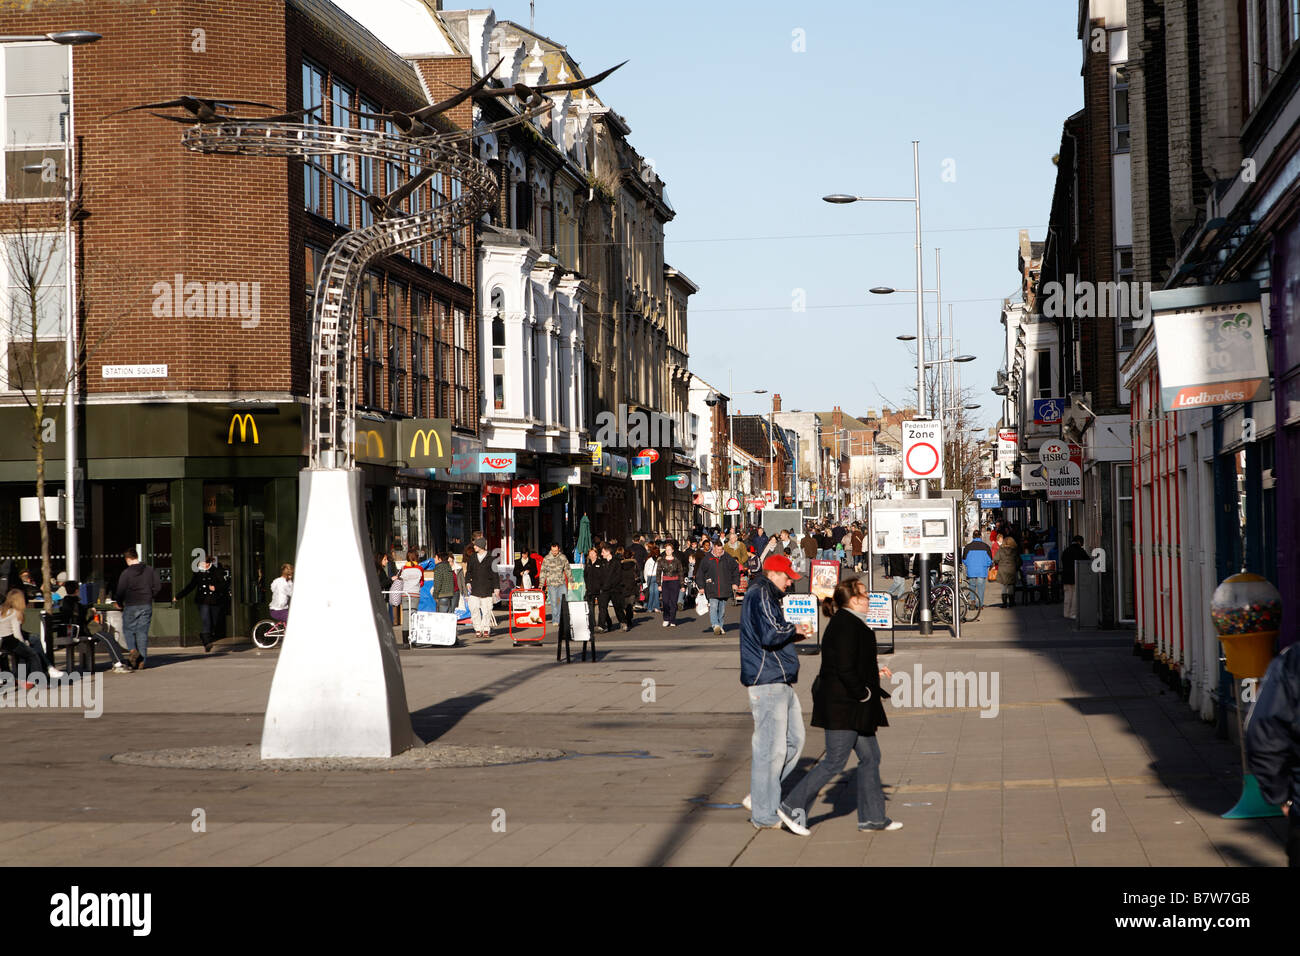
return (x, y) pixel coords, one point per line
(240, 120)
(532, 96)
(385, 207)
(415, 123)
(203, 109)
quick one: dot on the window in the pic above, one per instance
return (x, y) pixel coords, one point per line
(32, 267)
(315, 261)
(416, 252)
(1119, 107)
(539, 371)
(313, 179)
(396, 347)
(365, 165)
(1127, 334)
(463, 381)
(373, 332)
(438, 197)
(498, 350)
(35, 119)
(344, 167)
(459, 243)
(1043, 370)
(420, 354)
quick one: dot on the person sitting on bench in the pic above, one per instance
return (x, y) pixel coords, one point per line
(26, 649)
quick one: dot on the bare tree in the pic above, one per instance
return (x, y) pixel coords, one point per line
(35, 260)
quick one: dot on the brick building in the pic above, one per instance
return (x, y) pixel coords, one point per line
(196, 275)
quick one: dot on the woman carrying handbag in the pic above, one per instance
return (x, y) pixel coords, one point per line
(848, 703)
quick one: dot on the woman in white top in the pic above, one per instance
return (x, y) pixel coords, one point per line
(281, 592)
(13, 641)
(651, 576)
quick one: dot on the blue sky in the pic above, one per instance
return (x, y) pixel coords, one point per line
(749, 134)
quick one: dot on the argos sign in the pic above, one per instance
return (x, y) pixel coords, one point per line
(496, 463)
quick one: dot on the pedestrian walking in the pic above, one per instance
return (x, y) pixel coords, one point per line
(137, 586)
(210, 586)
(769, 668)
(1075, 552)
(611, 588)
(719, 577)
(1008, 565)
(848, 704)
(444, 583)
(1273, 742)
(554, 577)
(650, 575)
(670, 571)
(482, 588)
(629, 575)
(977, 558)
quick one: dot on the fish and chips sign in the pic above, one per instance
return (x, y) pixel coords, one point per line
(1210, 352)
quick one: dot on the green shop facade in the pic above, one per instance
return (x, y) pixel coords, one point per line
(183, 481)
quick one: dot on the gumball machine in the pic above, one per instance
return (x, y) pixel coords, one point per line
(1247, 612)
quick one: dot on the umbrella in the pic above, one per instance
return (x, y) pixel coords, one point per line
(584, 539)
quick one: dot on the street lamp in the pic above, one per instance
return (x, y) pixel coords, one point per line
(69, 39)
(915, 199)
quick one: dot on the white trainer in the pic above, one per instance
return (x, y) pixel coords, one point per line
(794, 826)
(747, 803)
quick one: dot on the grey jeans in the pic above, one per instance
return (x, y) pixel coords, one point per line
(871, 798)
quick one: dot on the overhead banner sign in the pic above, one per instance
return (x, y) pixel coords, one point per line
(425, 442)
(525, 495)
(988, 497)
(1033, 477)
(496, 463)
(1065, 483)
(641, 468)
(1213, 354)
(1048, 411)
(922, 449)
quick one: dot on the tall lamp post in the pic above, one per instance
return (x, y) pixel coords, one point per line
(68, 39)
(926, 625)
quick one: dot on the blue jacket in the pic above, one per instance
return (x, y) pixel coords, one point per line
(1273, 733)
(978, 558)
(767, 651)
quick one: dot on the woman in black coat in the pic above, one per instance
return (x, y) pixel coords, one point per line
(848, 703)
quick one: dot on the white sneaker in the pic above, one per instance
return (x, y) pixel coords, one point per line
(56, 673)
(120, 668)
(718, 630)
(665, 623)
(746, 803)
(798, 829)
(891, 825)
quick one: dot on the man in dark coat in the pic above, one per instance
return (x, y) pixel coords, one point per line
(211, 587)
(611, 589)
(1075, 552)
(718, 575)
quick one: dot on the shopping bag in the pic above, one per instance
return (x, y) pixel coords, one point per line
(993, 572)
(462, 610)
(701, 605)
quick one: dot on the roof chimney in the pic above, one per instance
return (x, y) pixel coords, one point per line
(776, 402)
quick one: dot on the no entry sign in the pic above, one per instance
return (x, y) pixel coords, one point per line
(922, 449)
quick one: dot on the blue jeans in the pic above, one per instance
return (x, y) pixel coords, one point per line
(977, 585)
(899, 587)
(652, 595)
(135, 627)
(555, 600)
(776, 745)
(717, 608)
(871, 798)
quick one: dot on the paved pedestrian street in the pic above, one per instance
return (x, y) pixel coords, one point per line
(1089, 761)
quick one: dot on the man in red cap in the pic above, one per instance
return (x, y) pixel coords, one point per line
(769, 668)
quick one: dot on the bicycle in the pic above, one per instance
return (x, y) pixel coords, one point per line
(971, 606)
(941, 598)
(268, 633)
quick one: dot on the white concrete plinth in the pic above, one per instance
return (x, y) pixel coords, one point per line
(338, 689)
